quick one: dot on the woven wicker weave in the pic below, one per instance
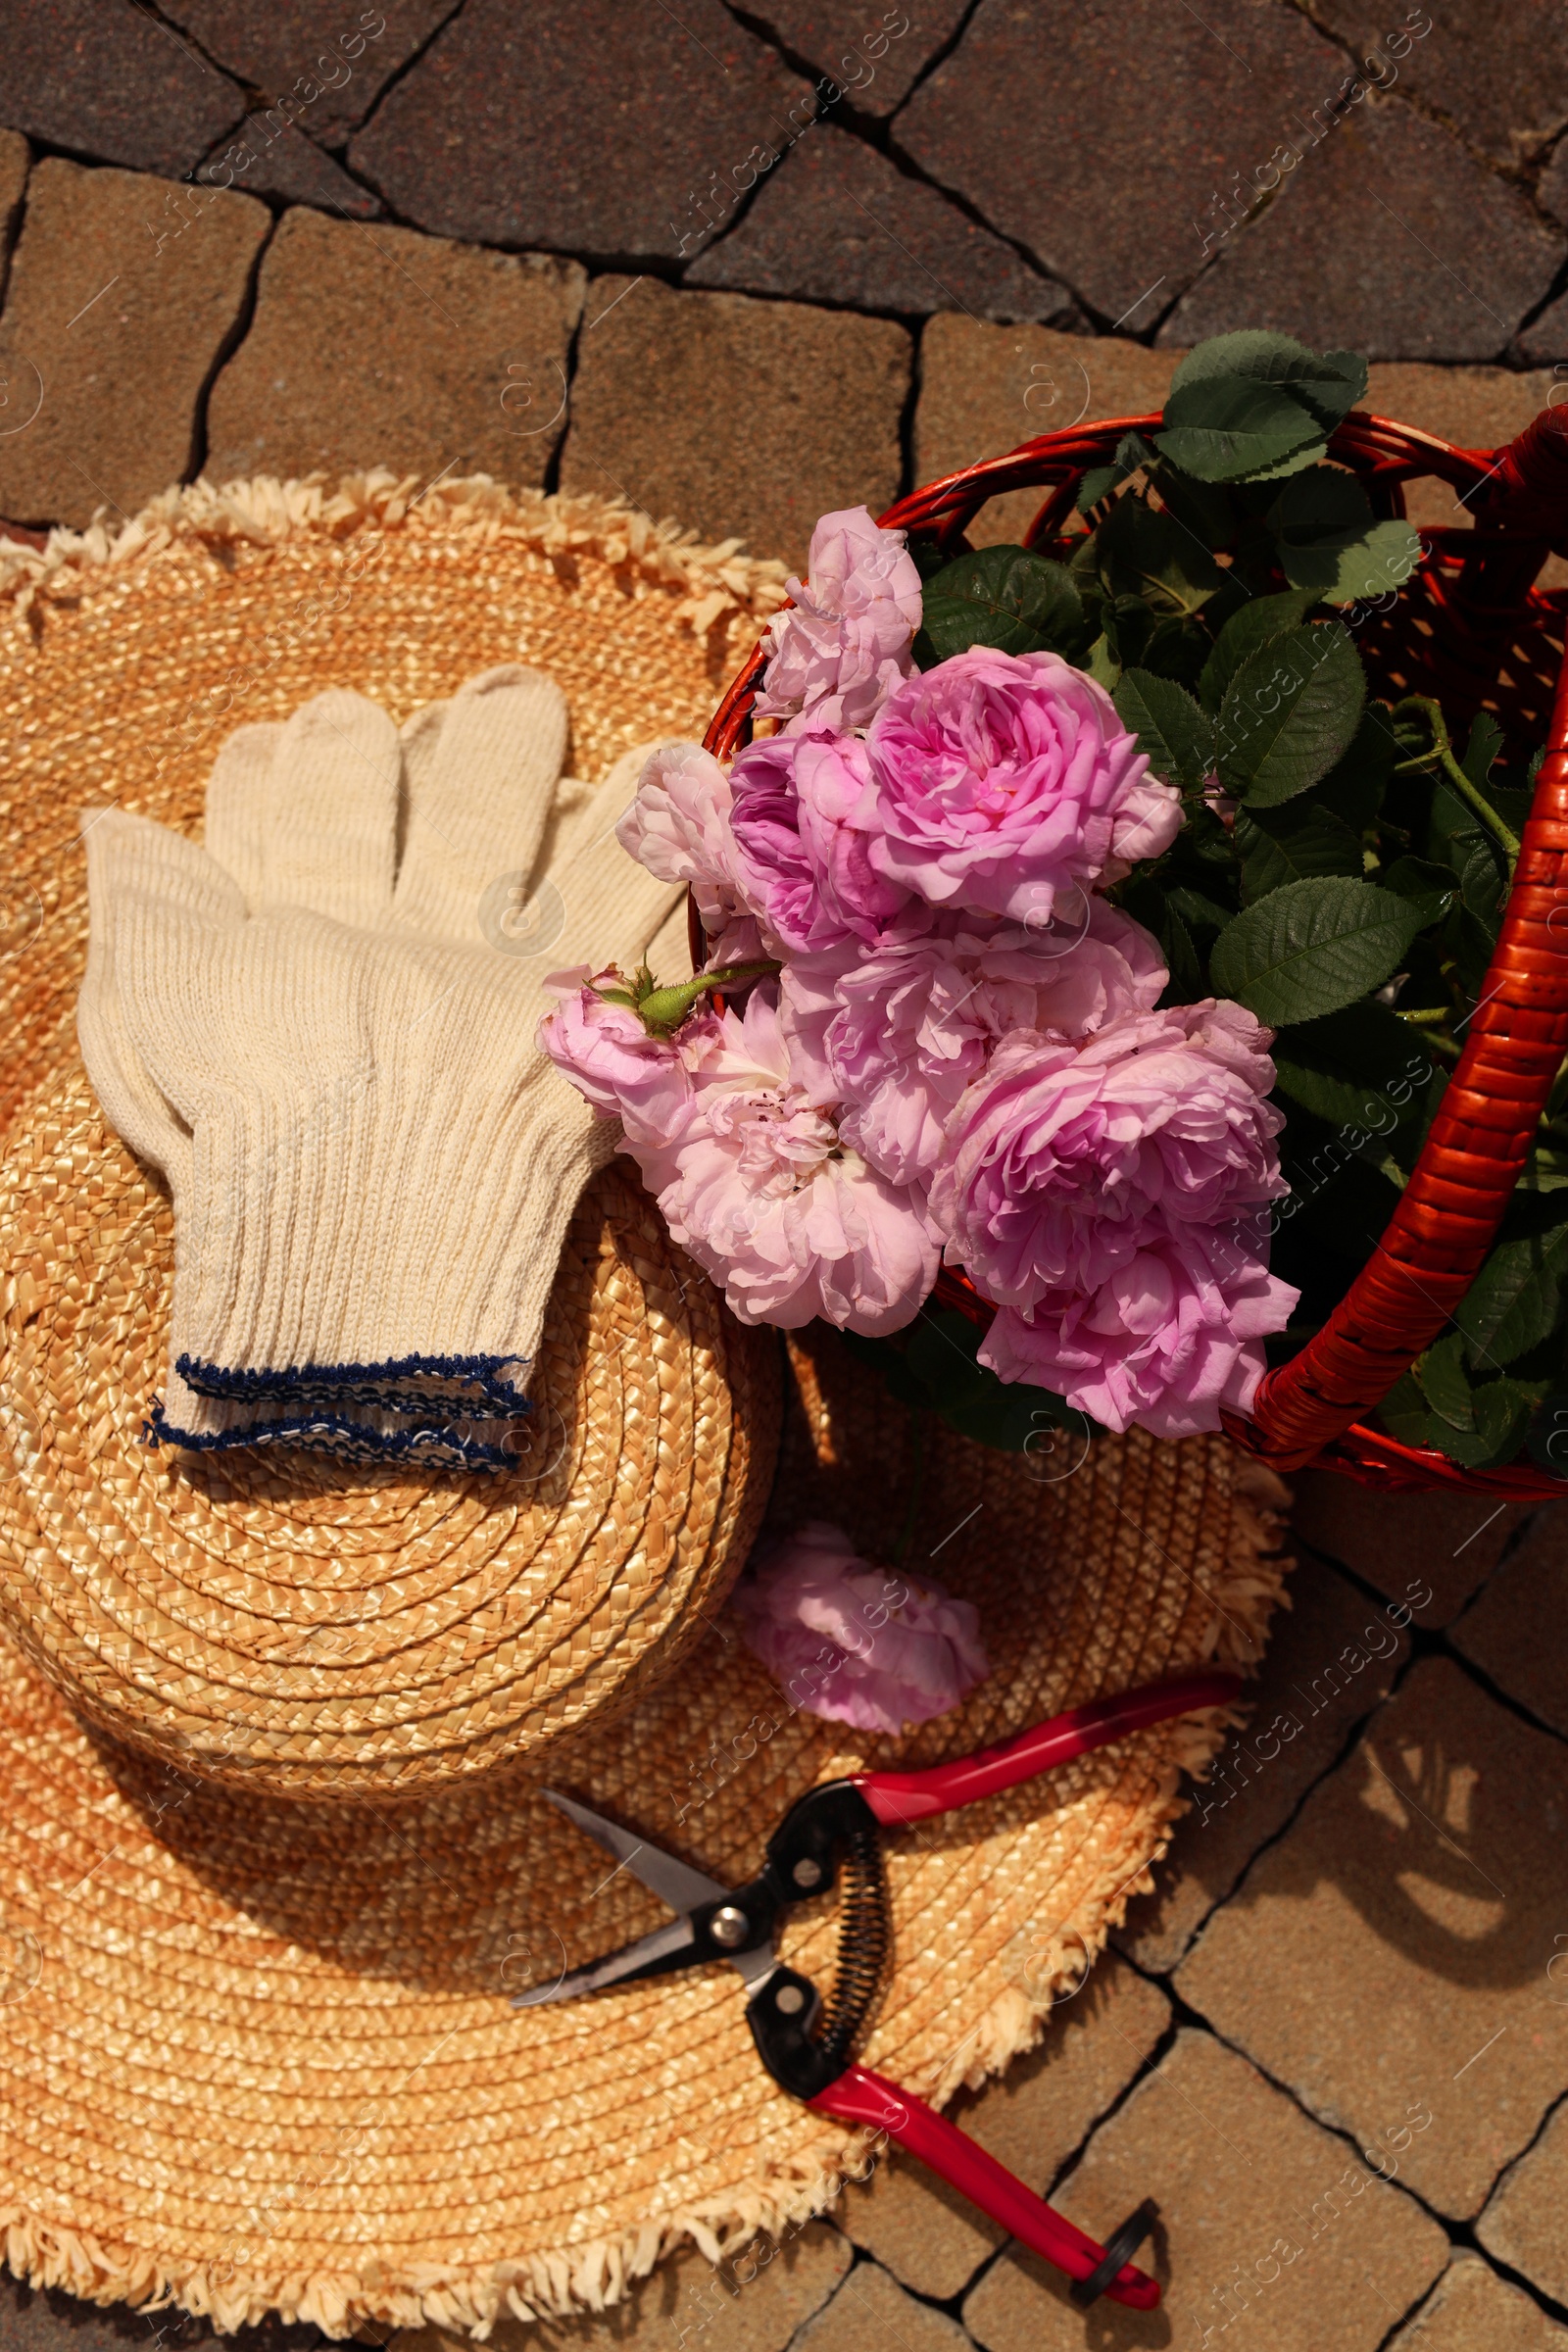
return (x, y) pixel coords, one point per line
(1473, 629)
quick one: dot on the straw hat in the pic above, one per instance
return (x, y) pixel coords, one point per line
(306, 1629)
(257, 2051)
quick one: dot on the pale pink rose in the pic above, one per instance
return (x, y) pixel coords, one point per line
(875, 1647)
(764, 1196)
(840, 653)
(611, 1060)
(678, 827)
(1004, 781)
(1060, 1161)
(801, 812)
(895, 1036)
(1173, 1335)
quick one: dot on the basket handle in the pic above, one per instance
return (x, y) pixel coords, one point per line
(1448, 1214)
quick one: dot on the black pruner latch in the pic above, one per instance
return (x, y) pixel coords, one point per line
(1119, 2249)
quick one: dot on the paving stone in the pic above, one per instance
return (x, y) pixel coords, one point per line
(686, 2298)
(47, 2321)
(623, 133)
(1526, 2223)
(1498, 74)
(268, 157)
(1332, 1657)
(14, 156)
(377, 345)
(1472, 2310)
(925, 2233)
(1552, 188)
(105, 79)
(115, 314)
(1546, 343)
(874, 54)
(1388, 1958)
(734, 416)
(323, 66)
(1267, 2221)
(836, 223)
(1096, 2040)
(1449, 1542)
(1388, 237)
(1516, 1629)
(984, 389)
(1192, 95)
(871, 2313)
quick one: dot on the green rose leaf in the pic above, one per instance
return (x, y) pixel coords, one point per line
(1311, 948)
(1257, 624)
(1360, 1067)
(1289, 714)
(1427, 886)
(1403, 1412)
(1327, 383)
(1174, 730)
(1132, 451)
(1500, 1413)
(1446, 1384)
(1516, 1299)
(1327, 540)
(1142, 554)
(1002, 597)
(1292, 844)
(1354, 787)
(1231, 428)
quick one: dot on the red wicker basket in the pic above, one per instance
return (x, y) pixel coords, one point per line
(1472, 627)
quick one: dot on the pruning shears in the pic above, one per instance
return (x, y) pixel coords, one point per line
(805, 2042)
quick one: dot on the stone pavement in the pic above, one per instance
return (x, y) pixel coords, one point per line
(738, 264)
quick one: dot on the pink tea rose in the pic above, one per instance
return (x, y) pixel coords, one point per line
(837, 655)
(875, 1647)
(801, 813)
(896, 1035)
(1173, 1335)
(1006, 780)
(1061, 1160)
(766, 1196)
(678, 827)
(613, 1061)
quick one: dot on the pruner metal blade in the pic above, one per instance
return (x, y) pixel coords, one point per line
(675, 1883)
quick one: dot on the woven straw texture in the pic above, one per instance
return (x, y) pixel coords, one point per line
(314, 1630)
(260, 2055)
(257, 2052)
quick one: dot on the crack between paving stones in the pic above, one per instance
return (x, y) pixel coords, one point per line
(1519, 176)
(233, 336)
(1459, 2232)
(875, 131)
(399, 76)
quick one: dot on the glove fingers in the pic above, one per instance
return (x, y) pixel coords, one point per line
(238, 794)
(609, 906)
(479, 780)
(130, 1099)
(329, 810)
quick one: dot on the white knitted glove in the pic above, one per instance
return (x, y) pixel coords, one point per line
(336, 1000)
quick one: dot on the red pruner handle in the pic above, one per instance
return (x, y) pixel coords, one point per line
(900, 1798)
(861, 2098)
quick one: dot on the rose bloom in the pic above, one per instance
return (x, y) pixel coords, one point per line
(898, 1034)
(761, 1191)
(837, 655)
(802, 810)
(678, 827)
(1059, 1158)
(1170, 1337)
(613, 1061)
(875, 1647)
(1006, 780)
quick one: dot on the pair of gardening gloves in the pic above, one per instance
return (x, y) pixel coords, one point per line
(320, 1027)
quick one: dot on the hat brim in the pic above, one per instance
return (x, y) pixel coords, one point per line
(259, 2056)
